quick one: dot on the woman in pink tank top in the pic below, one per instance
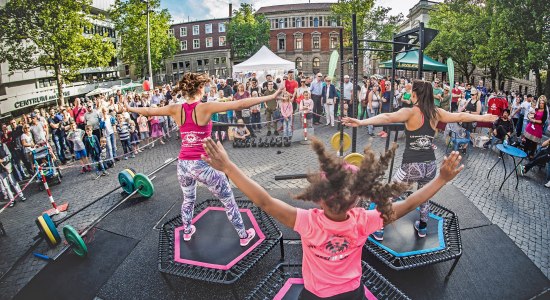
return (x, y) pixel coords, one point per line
(194, 120)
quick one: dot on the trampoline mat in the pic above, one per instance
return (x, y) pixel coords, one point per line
(215, 244)
(293, 287)
(401, 239)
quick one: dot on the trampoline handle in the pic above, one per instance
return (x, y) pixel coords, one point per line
(292, 176)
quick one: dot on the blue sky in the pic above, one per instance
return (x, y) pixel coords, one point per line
(181, 10)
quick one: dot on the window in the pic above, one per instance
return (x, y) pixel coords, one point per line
(334, 41)
(299, 63)
(207, 28)
(170, 32)
(221, 27)
(199, 64)
(315, 22)
(187, 65)
(174, 66)
(298, 41)
(221, 41)
(281, 23)
(216, 60)
(196, 44)
(181, 64)
(223, 60)
(196, 30)
(316, 62)
(321, 21)
(333, 23)
(299, 22)
(183, 31)
(183, 45)
(206, 62)
(281, 42)
(208, 42)
(316, 41)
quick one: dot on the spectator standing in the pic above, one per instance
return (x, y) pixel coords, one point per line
(316, 95)
(534, 129)
(268, 79)
(91, 143)
(328, 98)
(245, 113)
(306, 107)
(6, 176)
(456, 93)
(438, 93)
(92, 118)
(143, 127)
(76, 136)
(271, 107)
(58, 134)
(523, 110)
(108, 132)
(123, 130)
(483, 94)
(291, 86)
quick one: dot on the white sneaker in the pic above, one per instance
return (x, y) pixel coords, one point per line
(547, 184)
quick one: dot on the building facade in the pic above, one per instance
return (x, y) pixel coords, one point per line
(23, 91)
(203, 47)
(303, 33)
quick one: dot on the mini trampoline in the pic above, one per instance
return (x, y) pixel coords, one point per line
(285, 283)
(214, 254)
(402, 249)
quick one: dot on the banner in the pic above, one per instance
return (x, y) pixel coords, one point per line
(333, 63)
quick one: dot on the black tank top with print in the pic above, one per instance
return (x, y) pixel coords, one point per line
(418, 144)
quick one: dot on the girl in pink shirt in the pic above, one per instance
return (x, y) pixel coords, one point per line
(286, 111)
(333, 235)
(194, 120)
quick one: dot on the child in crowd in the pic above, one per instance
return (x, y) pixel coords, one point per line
(336, 271)
(143, 126)
(91, 142)
(6, 176)
(241, 132)
(286, 112)
(306, 107)
(222, 117)
(156, 131)
(103, 156)
(134, 139)
(256, 116)
(123, 130)
(76, 135)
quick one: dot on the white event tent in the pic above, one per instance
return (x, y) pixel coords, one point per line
(264, 62)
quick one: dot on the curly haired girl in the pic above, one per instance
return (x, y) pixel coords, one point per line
(194, 120)
(333, 236)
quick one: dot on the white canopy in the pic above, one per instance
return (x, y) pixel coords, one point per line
(264, 60)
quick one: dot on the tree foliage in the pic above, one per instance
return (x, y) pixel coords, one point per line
(50, 34)
(130, 19)
(247, 32)
(459, 23)
(343, 11)
(380, 25)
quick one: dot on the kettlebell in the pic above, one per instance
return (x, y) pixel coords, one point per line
(272, 143)
(279, 142)
(286, 142)
(247, 143)
(260, 143)
(253, 143)
(235, 143)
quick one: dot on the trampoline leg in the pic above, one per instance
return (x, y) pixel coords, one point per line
(452, 269)
(282, 246)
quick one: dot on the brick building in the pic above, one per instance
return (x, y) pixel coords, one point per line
(304, 33)
(202, 48)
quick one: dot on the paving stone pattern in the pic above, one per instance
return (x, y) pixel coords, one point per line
(523, 214)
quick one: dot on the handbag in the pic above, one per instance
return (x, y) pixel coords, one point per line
(245, 113)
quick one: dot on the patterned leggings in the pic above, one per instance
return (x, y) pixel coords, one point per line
(421, 172)
(191, 171)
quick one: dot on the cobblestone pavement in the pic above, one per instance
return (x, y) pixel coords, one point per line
(523, 214)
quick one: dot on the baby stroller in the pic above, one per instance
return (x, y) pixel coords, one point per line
(42, 157)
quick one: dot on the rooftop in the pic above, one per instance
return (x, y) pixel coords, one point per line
(200, 21)
(294, 8)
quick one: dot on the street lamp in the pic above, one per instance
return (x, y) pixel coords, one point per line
(149, 47)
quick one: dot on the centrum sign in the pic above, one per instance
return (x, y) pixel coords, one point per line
(34, 101)
(19, 102)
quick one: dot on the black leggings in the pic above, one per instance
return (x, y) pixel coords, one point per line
(357, 294)
(530, 147)
(542, 157)
(501, 132)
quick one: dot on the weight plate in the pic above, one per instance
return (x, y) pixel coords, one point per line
(51, 226)
(46, 231)
(126, 180)
(132, 172)
(354, 159)
(143, 185)
(335, 141)
(75, 240)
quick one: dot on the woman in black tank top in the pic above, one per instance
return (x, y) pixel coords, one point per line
(418, 163)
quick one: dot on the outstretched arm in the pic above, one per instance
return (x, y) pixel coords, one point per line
(169, 110)
(218, 159)
(448, 117)
(449, 169)
(399, 116)
(210, 108)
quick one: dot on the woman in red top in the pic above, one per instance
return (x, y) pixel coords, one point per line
(194, 120)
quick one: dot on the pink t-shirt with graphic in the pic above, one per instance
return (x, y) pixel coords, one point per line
(332, 250)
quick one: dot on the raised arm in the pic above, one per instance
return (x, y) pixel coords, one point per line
(448, 117)
(218, 159)
(215, 107)
(168, 110)
(399, 116)
(449, 169)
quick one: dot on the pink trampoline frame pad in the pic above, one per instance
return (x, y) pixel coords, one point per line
(288, 284)
(177, 252)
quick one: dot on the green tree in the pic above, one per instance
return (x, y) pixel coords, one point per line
(247, 32)
(459, 25)
(528, 23)
(343, 11)
(50, 34)
(380, 25)
(130, 19)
